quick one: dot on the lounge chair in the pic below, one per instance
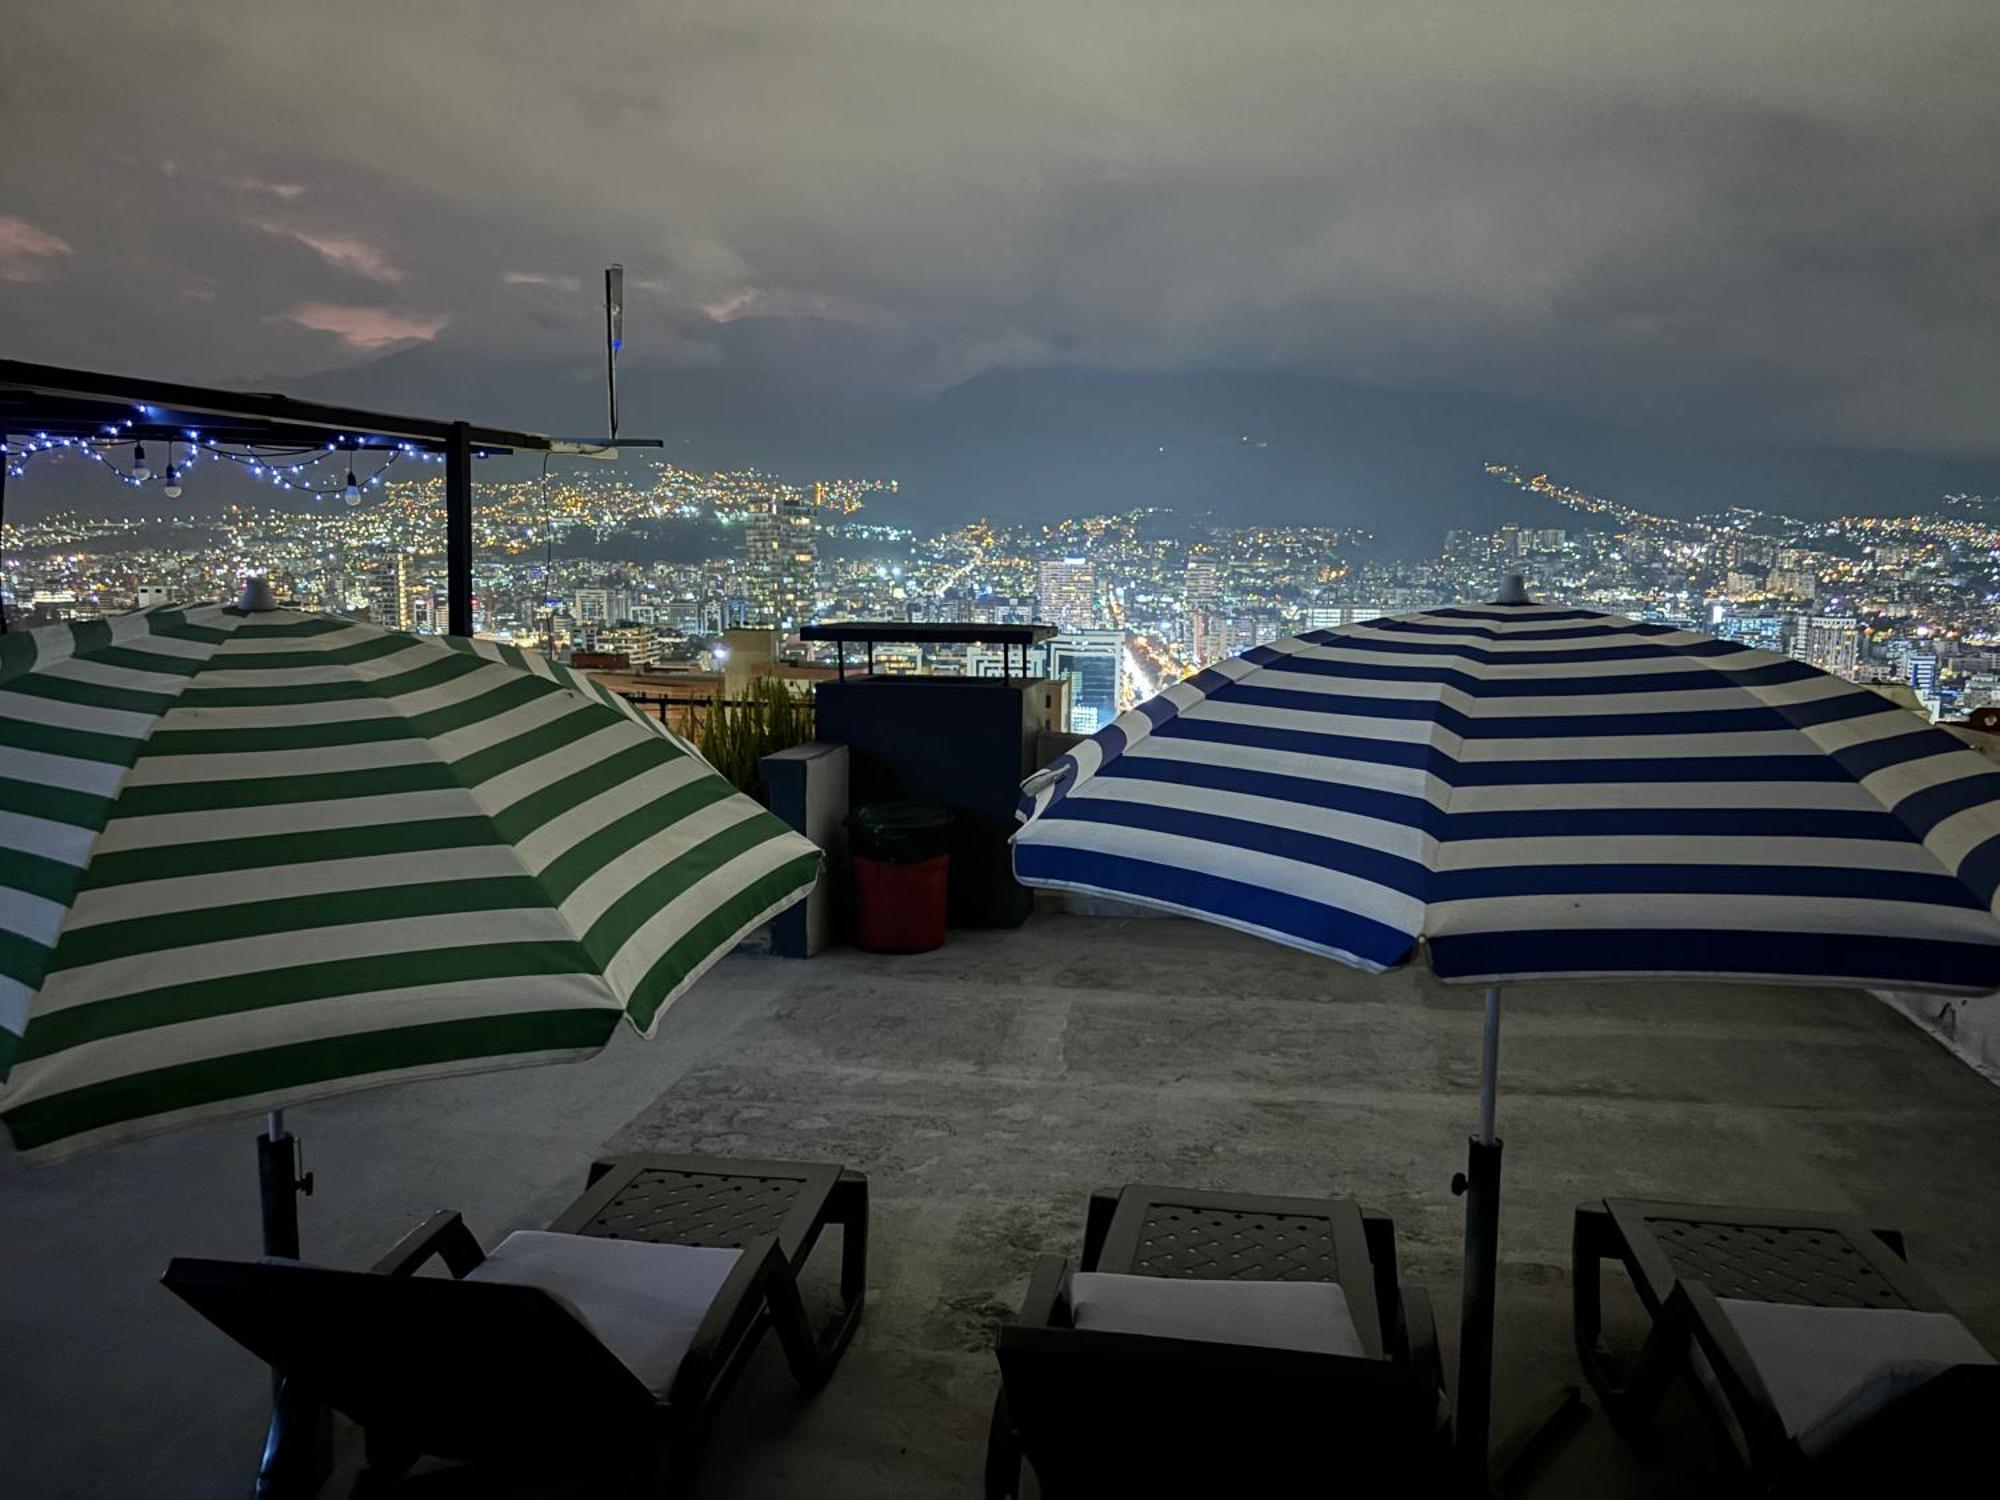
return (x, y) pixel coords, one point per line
(606, 1340)
(1833, 1366)
(1218, 1344)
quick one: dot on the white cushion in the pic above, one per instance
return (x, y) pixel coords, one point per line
(644, 1302)
(1308, 1315)
(1829, 1369)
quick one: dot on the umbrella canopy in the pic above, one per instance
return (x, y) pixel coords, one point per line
(252, 860)
(1539, 792)
(1531, 792)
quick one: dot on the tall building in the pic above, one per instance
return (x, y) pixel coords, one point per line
(1208, 634)
(1203, 589)
(601, 607)
(1921, 668)
(1793, 583)
(1253, 628)
(1066, 593)
(389, 592)
(1014, 661)
(1830, 642)
(1543, 540)
(1752, 552)
(633, 642)
(1764, 631)
(779, 551)
(1094, 663)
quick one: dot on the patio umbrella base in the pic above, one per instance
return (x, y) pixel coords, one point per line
(1526, 1450)
(295, 1444)
(295, 1457)
(279, 1184)
(1479, 1184)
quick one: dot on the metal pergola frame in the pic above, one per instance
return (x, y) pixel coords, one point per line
(844, 633)
(38, 399)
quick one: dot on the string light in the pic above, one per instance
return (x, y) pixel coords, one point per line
(263, 463)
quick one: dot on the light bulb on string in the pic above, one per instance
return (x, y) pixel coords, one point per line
(139, 470)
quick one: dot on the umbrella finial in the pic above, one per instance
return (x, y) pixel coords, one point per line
(256, 598)
(1513, 590)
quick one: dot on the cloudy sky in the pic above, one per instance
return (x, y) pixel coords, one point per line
(1728, 214)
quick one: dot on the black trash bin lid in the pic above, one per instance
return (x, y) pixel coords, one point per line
(899, 817)
(900, 832)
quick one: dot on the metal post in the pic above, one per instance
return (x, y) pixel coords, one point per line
(614, 339)
(1489, 1064)
(458, 528)
(1480, 1185)
(295, 1437)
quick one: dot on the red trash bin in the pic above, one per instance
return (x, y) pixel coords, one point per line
(900, 908)
(902, 876)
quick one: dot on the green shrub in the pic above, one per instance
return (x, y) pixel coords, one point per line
(734, 736)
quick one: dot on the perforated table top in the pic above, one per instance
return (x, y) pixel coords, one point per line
(1813, 1267)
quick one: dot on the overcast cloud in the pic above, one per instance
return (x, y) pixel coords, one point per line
(1736, 214)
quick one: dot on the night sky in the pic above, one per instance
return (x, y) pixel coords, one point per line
(1727, 217)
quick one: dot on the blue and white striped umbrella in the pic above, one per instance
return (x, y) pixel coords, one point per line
(1531, 792)
(1539, 792)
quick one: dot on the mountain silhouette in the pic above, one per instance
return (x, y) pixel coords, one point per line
(809, 399)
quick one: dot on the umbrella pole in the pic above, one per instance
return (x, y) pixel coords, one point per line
(1480, 1185)
(289, 1458)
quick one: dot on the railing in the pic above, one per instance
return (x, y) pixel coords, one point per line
(691, 707)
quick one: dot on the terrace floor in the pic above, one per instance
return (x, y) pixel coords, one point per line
(986, 1089)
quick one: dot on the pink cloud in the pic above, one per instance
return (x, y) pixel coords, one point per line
(343, 252)
(284, 190)
(727, 309)
(785, 302)
(25, 249)
(541, 278)
(367, 328)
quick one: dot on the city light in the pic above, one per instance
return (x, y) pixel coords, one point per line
(658, 566)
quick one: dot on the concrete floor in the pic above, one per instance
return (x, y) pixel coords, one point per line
(986, 1089)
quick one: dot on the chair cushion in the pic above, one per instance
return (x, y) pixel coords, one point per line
(644, 1302)
(1308, 1315)
(1829, 1369)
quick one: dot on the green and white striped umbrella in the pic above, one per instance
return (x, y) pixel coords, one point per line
(251, 860)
